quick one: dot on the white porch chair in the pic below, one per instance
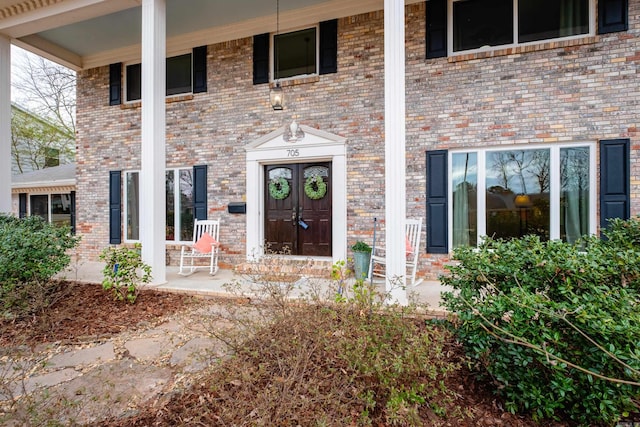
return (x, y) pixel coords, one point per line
(378, 264)
(203, 247)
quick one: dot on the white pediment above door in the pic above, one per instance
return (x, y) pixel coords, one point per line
(281, 139)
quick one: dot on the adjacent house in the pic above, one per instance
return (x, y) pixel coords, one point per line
(36, 143)
(480, 117)
(49, 193)
(43, 171)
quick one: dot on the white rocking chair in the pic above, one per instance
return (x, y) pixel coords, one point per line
(205, 245)
(378, 264)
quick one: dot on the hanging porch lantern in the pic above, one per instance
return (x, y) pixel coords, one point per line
(277, 97)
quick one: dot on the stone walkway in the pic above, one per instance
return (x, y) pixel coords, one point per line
(88, 382)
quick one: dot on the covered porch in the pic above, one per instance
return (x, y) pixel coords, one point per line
(86, 34)
(426, 295)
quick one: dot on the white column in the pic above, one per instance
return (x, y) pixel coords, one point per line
(5, 124)
(254, 201)
(339, 206)
(152, 175)
(395, 156)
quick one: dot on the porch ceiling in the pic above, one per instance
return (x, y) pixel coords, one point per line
(88, 33)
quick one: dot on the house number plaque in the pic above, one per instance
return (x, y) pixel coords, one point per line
(294, 152)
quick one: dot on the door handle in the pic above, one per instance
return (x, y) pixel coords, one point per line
(294, 217)
(301, 222)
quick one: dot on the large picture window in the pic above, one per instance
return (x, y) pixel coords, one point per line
(178, 76)
(481, 24)
(509, 193)
(179, 208)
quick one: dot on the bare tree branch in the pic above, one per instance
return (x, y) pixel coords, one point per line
(44, 124)
(47, 89)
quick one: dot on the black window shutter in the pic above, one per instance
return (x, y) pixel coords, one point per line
(115, 84)
(437, 211)
(115, 207)
(612, 16)
(614, 180)
(436, 31)
(261, 59)
(72, 211)
(199, 69)
(329, 47)
(22, 205)
(200, 191)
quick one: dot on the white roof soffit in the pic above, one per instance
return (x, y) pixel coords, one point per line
(235, 30)
(28, 21)
(21, 20)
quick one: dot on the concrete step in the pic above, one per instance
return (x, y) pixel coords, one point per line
(281, 267)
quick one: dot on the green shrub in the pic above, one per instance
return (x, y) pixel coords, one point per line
(32, 249)
(555, 325)
(124, 271)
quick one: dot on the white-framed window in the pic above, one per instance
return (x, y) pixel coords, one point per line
(178, 75)
(476, 25)
(295, 53)
(180, 212)
(53, 208)
(509, 192)
(179, 207)
(132, 206)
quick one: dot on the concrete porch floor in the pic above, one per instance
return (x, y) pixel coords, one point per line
(201, 283)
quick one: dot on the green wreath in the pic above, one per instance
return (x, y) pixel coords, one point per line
(315, 188)
(279, 188)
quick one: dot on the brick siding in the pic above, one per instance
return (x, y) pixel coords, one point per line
(582, 90)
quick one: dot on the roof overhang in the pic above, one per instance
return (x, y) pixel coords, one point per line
(84, 34)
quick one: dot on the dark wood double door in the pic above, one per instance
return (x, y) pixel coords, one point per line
(298, 224)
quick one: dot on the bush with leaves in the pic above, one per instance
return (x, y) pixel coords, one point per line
(556, 326)
(124, 272)
(32, 251)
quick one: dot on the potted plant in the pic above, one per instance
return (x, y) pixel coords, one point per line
(361, 259)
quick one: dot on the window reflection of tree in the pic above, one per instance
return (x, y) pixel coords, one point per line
(523, 164)
(515, 171)
(541, 169)
(574, 198)
(465, 200)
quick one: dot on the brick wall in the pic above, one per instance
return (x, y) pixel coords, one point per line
(578, 91)
(582, 90)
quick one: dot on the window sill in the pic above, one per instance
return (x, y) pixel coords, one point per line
(296, 81)
(168, 100)
(523, 49)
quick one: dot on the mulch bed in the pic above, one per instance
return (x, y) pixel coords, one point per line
(86, 311)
